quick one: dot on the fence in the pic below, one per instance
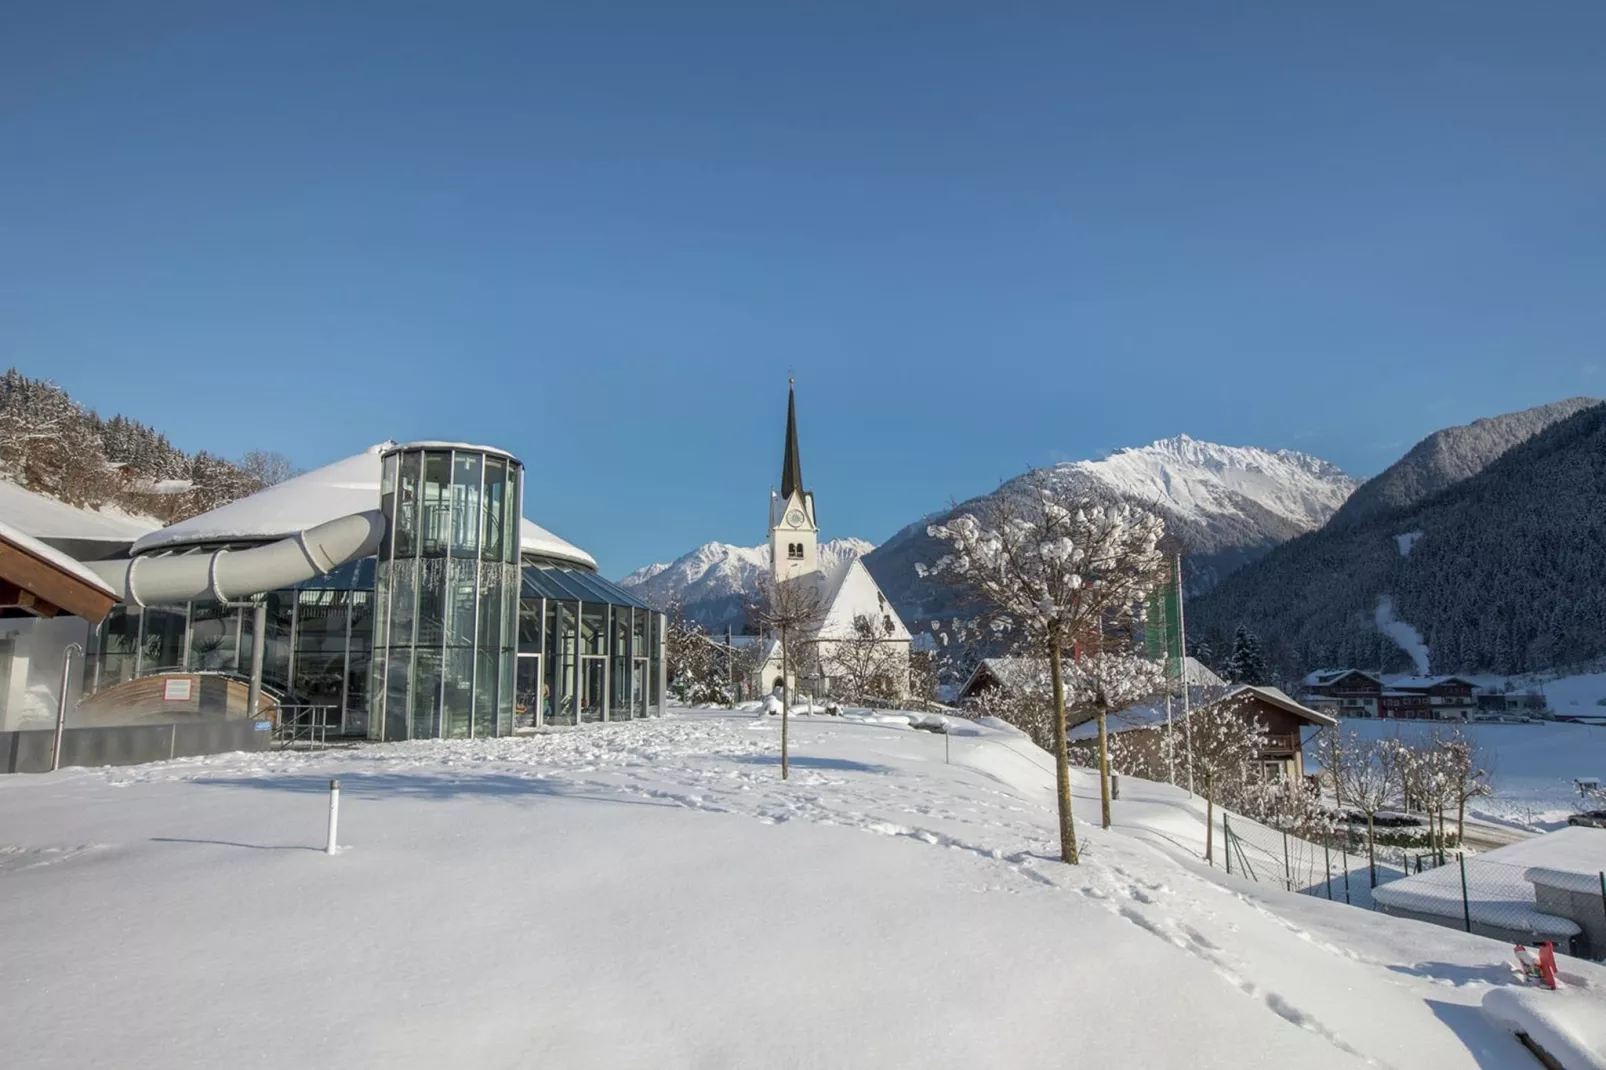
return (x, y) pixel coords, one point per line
(1517, 904)
(29, 750)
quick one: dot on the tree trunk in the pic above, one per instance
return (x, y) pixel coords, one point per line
(1104, 760)
(786, 702)
(1461, 820)
(1371, 846)
(1062, 759)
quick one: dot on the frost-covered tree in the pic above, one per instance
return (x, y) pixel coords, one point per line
(787, 609)
(1371, 783)
(1219, 750)
(1050, 566)
(1471, 771)
(267, 468)
(1110, 680)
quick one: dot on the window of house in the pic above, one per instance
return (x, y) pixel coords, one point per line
(794, 551)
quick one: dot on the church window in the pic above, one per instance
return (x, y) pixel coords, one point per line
(794, 551)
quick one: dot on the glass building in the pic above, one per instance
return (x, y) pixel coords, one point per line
(469, 622)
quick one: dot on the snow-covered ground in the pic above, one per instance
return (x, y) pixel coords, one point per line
(652, 894)
(1533, 765)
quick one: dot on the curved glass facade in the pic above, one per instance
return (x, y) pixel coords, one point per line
(446, 594)
(450, 632)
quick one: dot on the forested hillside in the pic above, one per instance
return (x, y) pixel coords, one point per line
(51, 444)
(1503, 572)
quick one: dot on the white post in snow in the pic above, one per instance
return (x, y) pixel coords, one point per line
(1171, 750)
(334, 816)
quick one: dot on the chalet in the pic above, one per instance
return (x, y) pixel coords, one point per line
(1344, 692)
(1433, 698)
(1282, 754)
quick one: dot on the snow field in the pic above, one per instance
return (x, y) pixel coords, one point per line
(651, 894)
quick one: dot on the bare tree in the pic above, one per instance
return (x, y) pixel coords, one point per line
(866, 661)
(789, 609)
(1051, 565)
(1371, 783)
(266, 467)
(1428, 782)
(1111, 679)
(1329, 747)
(1471, 771)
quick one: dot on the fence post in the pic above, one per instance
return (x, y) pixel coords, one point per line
(1327, 855)
(1466, 907)
(1344, 851)
(1226, 840)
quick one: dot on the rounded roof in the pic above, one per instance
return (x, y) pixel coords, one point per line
(328, 493)
(45, 518)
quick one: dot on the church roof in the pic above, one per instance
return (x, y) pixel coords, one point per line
(791, 461)
(850, 591)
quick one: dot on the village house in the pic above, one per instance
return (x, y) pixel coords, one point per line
(1282, 752)
(1343, 692)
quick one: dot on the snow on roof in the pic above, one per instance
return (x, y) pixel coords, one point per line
(46, 518)
(53, 556)
(1422, 683)
(1502, 895)
(851, 592)
(534, 539)
(1322, 677)
(328, 493)
(1011, 673)
(340, 489)
(431, 444)
(1154, 714)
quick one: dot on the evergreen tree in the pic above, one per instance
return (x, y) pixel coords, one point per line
(1246, 664)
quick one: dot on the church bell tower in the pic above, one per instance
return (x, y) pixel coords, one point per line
(794, 536)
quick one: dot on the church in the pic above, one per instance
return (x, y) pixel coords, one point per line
(856, 647)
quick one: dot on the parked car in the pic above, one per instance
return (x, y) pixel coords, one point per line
(1595, 819)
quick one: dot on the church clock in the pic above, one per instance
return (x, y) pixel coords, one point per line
(795, 518)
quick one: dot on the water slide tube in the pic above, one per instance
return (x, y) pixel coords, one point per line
(227, 575)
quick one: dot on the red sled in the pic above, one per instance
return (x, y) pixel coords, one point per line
(1544, 970)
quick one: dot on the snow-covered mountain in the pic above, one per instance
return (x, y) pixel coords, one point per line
(1229, 505)
(714, 581)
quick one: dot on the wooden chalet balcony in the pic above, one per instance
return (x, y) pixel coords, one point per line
(1282, 743)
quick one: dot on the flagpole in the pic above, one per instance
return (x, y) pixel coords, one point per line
(1187, 706)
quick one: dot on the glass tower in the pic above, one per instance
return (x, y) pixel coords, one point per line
(446, 593)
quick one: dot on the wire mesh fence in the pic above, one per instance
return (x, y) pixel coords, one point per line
(1518, 904)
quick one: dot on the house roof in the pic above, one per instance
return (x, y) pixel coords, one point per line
(1324, 677)
(52, 521)
(45, 574)
(1152, 715)
(347, 486)
(1422, 683)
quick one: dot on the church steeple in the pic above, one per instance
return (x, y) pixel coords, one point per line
(791, 462)
(794, 538)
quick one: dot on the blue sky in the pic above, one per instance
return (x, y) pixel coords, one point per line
(981, 236)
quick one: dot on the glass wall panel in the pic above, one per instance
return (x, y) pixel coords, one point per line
(530, 690)
(162, 643)
(406, 528)
(593, 688)
(276, 651)
(457, 702)
(563, 661)
(532, 614)
(655, 672)
(426, 696)
(436, 494)
(214, 637)
(493, 504)
(619, 682)
(398, 687)
(430, 630)
(117, 647)
(466, 503)
(320, 662)
(638, 687)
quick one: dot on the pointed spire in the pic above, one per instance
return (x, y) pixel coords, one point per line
(791, 463)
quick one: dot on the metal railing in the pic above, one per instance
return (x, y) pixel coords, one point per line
(307, 727)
